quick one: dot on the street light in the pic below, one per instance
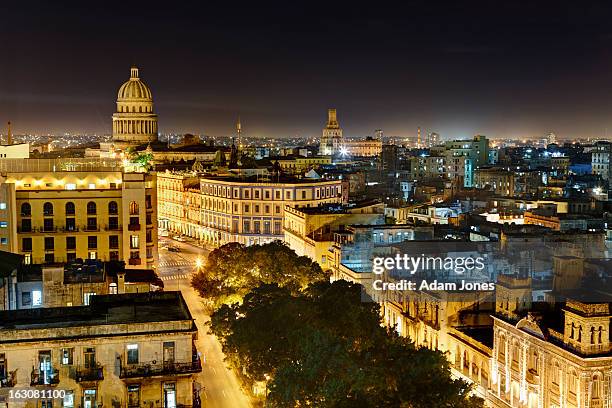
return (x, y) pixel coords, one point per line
(199, 263)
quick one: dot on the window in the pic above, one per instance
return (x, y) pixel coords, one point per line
(26, 209)
(113, 223)
(134, 221)
(70, 242)
(256, 194)
(134, 241)
(91, 208)
(47, 209)
(70, 256)
(256, 225)
(133, 395)
(26, 225)
(92, 224)
(48, 224)
(113, 241)
(149, 219)
(132, 353)
(113, 208)
(246, 226)
(277, 227)
(26, 244)
(68, 399)
(49, 243)
(49, 258)
(256, 209)
(67, 354)
(70, 224)
(134, 208)
(113, 255)
(36, 298)
(70, 210)
(26, 299)
(2, 206)
(246, 208)
(70, 186)
(112, 288)
(27, 259)
(87, 297)
(3, 241)
(91, 186)
(3, 224)
(92, 242)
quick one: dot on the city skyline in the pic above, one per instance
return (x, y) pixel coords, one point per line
(463, 74)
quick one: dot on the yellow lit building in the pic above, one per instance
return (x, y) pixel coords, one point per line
(79, 208)
(179, 203)
(128, 350)
(251, 210)
(300, 164)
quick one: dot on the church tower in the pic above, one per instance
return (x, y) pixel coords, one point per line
(331, 140)
(134, 123)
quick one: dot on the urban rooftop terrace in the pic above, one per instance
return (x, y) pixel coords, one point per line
(119, 309)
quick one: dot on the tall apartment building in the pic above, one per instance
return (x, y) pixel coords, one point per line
(251, 211)
(600, 160)
(58, 210)
(127, 350)
(463, 157)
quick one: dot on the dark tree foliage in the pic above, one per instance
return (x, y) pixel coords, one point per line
(324, 347)
(232, 270)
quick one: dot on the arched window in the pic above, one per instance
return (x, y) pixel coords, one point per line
(47, 209)
(26, 209)
(70, 208)
(133, 208)
(113, 208)
(91, 208)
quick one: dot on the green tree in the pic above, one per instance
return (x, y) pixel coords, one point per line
(325, 347)
(232, 270)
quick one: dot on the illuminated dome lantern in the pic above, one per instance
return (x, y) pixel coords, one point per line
(134, 123)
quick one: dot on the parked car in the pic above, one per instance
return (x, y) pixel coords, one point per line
(174, 249)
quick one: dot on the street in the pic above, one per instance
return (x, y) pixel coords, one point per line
(221, 387)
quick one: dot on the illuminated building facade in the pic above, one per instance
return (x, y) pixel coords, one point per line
(99, 355)
(251, 211)
(331, 139)
(134, 123)
(64, 209)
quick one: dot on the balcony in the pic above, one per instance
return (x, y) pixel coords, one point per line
(50, 377)
(135, 261)
(94, 228)
(84, 374)
(7, 381)
(159, 369)
(133, 227)
(113, 227)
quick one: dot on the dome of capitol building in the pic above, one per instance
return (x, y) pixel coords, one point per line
(134, 122)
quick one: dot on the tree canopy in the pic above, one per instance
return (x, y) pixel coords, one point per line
(325, 347)
(232, 270)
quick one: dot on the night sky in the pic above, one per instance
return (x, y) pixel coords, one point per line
(503, 69)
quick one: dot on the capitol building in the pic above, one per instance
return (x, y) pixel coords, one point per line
(134, 123)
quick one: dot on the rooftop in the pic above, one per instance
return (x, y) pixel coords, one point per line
(132, 308)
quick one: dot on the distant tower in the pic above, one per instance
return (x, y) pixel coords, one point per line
(551, 138)
(419, 137)
(239, 132)
(378, 134)
(331, 139)
(9, 135)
